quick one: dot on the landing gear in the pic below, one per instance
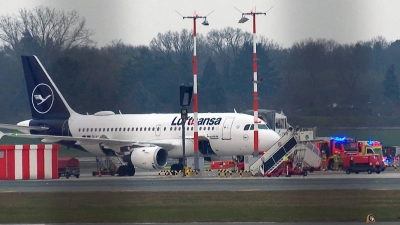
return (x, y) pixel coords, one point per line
(126, 170)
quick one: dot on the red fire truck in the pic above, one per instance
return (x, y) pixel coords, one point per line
(342, 145)
(363, 163)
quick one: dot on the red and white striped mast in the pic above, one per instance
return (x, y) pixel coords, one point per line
(195, 101)
(255, 79)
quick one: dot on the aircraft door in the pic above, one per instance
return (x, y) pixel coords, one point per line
(158, 130)
(65, 129)
(226, 131)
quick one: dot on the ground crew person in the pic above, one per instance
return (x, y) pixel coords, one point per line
(323, 161)
(336, 161)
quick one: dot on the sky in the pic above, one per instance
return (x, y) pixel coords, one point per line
(137, 22)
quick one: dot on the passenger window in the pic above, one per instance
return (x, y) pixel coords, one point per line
(175, 128)
(144, 128)
(108, 129)
(124, 129)
(91, 129)
(112, 129)
(120, 129)
(140, 129)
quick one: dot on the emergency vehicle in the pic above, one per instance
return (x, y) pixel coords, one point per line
(371, 148)
(341, 145)
(363, 163)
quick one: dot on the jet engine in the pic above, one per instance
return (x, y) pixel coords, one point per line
(149, 157)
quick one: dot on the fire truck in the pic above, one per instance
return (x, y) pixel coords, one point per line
(363, 163)
(371, 148)
(341, 145)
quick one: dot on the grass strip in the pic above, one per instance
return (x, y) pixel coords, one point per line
(246, 206)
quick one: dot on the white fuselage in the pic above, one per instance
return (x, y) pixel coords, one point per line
(225, 131)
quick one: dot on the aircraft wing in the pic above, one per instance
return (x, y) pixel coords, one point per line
(79, 140)
(22, 128)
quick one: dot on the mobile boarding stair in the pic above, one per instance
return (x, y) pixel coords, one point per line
(294, 144)
(109, 166)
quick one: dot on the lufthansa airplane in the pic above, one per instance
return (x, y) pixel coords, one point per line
(142, 140)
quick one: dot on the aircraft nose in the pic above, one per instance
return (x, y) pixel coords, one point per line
(268, 139)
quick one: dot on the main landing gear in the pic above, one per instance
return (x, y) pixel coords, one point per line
(126, 170)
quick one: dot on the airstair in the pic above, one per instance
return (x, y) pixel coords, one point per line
(293, 144)
(108, 166)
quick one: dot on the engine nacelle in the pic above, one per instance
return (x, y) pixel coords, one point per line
(149, 157)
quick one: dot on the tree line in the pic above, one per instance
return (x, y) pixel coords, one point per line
(313, 77)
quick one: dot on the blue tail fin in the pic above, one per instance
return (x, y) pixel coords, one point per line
(45, 99)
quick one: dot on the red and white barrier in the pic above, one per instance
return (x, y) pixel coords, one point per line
(24, 162)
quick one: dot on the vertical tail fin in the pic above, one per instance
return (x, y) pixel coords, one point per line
(45, 99)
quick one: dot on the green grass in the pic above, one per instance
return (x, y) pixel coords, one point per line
(228, 206)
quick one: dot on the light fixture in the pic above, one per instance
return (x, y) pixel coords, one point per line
(205, 22)
(243, 19)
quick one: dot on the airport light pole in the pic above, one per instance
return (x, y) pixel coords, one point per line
(255, 79)
(195, 101)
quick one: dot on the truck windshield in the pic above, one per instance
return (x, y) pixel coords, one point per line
(350, 146)
(378, 151)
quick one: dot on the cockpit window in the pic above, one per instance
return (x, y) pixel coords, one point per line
(247, 127)
(260, 127)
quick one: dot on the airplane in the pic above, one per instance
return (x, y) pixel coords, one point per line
(146, 141)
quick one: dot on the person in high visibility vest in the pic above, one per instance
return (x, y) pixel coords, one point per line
(323, 161)
(336, 161)
(285, 158)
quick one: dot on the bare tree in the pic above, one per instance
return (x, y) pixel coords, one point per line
(43, 29)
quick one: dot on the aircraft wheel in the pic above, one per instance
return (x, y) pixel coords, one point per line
(122, 171)
(131, 171)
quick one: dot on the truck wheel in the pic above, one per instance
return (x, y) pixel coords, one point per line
(305, 173)
(77, 175)
(348, 171)
(378, 172)
(93, 173)
(67, 176)
(369, 171)
(356, 172)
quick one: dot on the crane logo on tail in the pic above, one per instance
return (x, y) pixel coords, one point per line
(42, 98)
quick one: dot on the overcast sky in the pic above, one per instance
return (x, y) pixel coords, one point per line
(136, 22)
